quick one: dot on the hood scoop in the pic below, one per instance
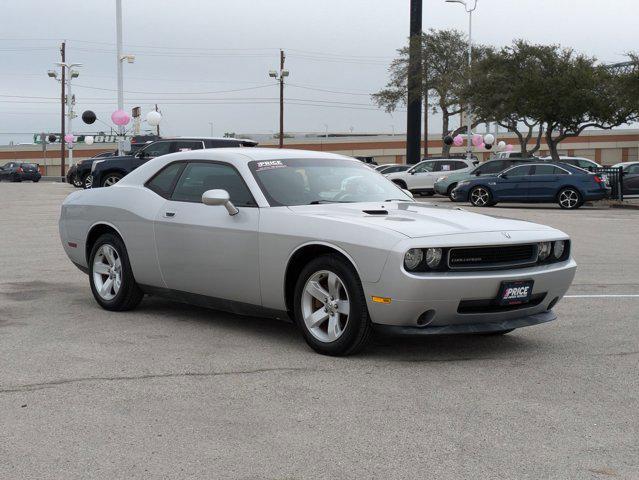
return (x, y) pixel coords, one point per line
(376, 212)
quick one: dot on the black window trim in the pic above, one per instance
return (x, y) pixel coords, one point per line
(181, 171)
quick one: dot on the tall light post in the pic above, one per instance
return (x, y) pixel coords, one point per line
(469, 114)
(120, 59)
(68, 74)
(280, 76)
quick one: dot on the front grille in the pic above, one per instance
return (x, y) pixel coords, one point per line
(492, 305)
(493, 257)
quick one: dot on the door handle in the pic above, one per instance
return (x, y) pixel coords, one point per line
(169, 214)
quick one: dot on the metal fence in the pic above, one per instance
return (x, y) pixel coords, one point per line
(614, 178)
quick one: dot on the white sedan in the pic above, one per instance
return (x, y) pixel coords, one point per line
(315, 237)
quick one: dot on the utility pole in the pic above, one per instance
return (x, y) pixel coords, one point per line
(426, 127)
(280, 76)
(413, 117)
(62, 101)
(158, 125)
(282, 59)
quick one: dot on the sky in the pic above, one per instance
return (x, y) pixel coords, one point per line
(206, 63)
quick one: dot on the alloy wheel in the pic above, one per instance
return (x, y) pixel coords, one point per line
(568, 198)
(77, 182)
(107, 272)
(111, 180)
(479, 197)
(88, 181)
(325, 306)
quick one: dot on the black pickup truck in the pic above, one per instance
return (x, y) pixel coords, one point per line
(109, 171)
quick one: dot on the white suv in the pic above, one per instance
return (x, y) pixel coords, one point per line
(421, 178)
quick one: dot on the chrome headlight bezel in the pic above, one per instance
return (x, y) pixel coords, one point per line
(95, 164)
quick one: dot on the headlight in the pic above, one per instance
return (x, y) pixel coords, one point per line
(413, 258)
(558, 249)
(433, 257)
(95, 164)
(543, 251)
(463, 182)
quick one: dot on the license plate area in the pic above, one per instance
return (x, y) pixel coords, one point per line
(515, 292)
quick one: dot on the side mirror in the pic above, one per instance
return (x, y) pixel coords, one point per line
(219, 197)
(409, 193)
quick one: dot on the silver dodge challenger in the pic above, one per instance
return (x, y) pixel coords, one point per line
(315, 237)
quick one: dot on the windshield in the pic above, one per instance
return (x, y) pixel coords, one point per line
(314, 181)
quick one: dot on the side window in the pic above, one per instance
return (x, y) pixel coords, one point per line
(519, 171)
(585, 164)
(157, 149)
(559, 171)
(163, 181)
(492, 167)
(445, 166)
(198, 177)
(545, 170)
(425, 167)
(186, 145)
(633, 169)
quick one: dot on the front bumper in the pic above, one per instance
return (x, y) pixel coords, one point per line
(441, 188)
(488, 327)
(459, 194)
(449, 301)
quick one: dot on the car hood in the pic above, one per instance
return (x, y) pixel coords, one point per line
(415, 219)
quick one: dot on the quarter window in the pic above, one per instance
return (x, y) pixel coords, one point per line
(162, 183)
(519, 171)
(545, 170)
(633, 169)
(198, 177)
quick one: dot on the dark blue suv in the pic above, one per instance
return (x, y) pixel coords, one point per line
(560, 183)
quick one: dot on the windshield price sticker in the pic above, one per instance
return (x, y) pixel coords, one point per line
(267, 165)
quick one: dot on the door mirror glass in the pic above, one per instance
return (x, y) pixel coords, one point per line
(219, 197)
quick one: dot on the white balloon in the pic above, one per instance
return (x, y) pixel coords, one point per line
(88, 140)
(153, 118)
(501, 145)
(489, 139)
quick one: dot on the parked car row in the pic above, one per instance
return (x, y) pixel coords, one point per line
(19, 171)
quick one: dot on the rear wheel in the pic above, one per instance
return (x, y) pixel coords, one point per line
(481, 197)
(110, 275)
(111, 179)
(330, 307)
(569, 198)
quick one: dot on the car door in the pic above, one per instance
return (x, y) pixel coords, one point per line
(544, 181)
(422, 176)
(512, 184)
(631, 180)
(202, 249)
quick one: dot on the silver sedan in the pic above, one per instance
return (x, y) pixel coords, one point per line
(315, 237)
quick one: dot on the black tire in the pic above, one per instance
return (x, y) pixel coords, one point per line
(569, 198)
(477, 197)
(401, 184)
(129, 294)
(357, 330)
(109, 177)
(36, 181)
(449, 192)
(87, 181)
(77, 182)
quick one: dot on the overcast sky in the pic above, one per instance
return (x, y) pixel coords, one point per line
(190, 53)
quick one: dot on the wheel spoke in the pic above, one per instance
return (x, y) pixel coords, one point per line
(343, 307)
(317, 291)
(316, 318)
(333, 285)
(106, 287)
(108, 254)
(334, 329)
(101, 268)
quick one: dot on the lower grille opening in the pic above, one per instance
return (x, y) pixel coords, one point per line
(492, 305)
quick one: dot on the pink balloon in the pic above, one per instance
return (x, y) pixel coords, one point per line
(482, 146)
(477, 140)
(509, 148)
(458, 141)
(120, 117)
(68, 138)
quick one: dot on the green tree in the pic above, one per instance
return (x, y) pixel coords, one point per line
(445, 63)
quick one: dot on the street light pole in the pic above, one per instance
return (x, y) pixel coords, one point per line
(469, 112)
(280, 76)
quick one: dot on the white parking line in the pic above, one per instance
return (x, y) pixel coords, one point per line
(602, 296)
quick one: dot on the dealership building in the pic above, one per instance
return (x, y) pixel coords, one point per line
(606, 147)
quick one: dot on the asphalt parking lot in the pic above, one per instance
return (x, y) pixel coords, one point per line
(172, 391)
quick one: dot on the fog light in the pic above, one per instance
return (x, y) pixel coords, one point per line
(558, 249)
(544, 251)
(413, 258)
(433, 257)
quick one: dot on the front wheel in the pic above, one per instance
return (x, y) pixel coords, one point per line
(111, 179)
(330, 307)
(87, 182)
(569, 199)
(111, 276)
(480, 197)
(76, 181)
(449, 192)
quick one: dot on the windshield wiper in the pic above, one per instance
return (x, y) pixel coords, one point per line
(396, 199)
